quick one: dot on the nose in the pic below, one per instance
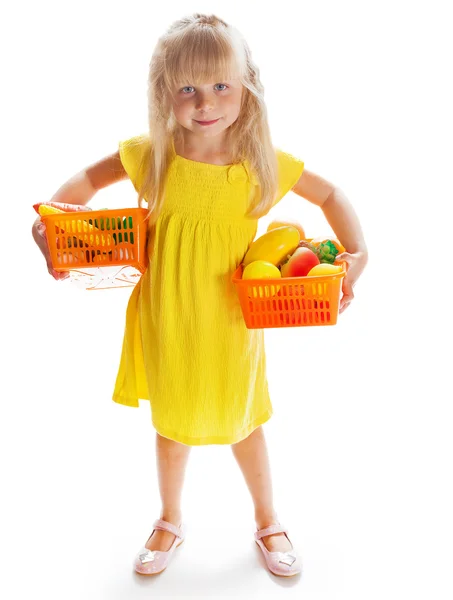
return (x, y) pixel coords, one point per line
(204, 103)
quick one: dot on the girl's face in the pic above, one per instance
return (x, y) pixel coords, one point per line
(212, 101)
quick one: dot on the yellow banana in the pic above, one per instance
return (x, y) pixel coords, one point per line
(274, 246)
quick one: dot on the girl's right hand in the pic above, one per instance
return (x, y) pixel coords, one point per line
(39, 235)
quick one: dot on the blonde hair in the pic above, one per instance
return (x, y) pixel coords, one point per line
(203, 48)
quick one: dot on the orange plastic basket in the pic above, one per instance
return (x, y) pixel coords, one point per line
(97, 238)
(289, 301)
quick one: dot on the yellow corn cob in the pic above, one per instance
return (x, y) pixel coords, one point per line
(44, 209)
(103, 240)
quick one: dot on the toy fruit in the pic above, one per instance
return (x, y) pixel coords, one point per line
(321, 240)
(300, 263)
(261, 269)
(45, 209)
(307, 244)
(326, 252)
(274, 246)
(62, 206)
(291, 223)
(125, 226)
(320, 289)
(325, 269)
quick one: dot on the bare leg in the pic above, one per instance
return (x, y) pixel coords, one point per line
(251, 455)
(172, 460)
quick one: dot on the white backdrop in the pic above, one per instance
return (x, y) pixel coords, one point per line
(360, 441)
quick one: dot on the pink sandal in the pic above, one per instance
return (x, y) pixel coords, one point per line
(152, 562)
(284, 564)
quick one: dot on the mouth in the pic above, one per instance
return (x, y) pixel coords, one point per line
(206, 122)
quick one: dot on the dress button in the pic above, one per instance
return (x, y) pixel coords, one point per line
(237, 173)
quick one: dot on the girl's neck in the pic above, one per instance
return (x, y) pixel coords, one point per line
(214, 153)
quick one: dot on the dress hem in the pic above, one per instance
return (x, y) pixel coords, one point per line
(125, 401)
(192, 441)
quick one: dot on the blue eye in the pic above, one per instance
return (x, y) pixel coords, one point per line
(191, 87)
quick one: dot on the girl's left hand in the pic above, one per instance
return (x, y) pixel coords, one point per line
(356, 263)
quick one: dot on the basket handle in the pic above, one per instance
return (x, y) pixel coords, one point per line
(343, 263)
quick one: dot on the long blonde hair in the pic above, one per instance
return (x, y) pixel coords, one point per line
(203, 48)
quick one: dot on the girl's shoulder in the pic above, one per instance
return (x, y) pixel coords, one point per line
(133, 152)
(290, 169)
(136, 143)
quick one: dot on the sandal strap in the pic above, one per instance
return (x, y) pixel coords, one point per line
(272, 529)
(165, 526)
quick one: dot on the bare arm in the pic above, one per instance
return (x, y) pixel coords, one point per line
(343, 219)
(79, 190)
(336, 208)
(84, 184)
(313, 187)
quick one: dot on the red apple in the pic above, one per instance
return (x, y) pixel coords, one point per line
(300, 263)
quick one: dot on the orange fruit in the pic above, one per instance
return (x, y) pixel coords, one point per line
(291, 222)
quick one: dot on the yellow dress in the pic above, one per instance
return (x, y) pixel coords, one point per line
(186, 348)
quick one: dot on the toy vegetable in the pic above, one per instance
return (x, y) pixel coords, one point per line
(327, 249)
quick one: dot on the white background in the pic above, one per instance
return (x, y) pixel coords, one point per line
(360, 443)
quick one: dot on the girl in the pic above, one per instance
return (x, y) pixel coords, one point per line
(208, 171)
